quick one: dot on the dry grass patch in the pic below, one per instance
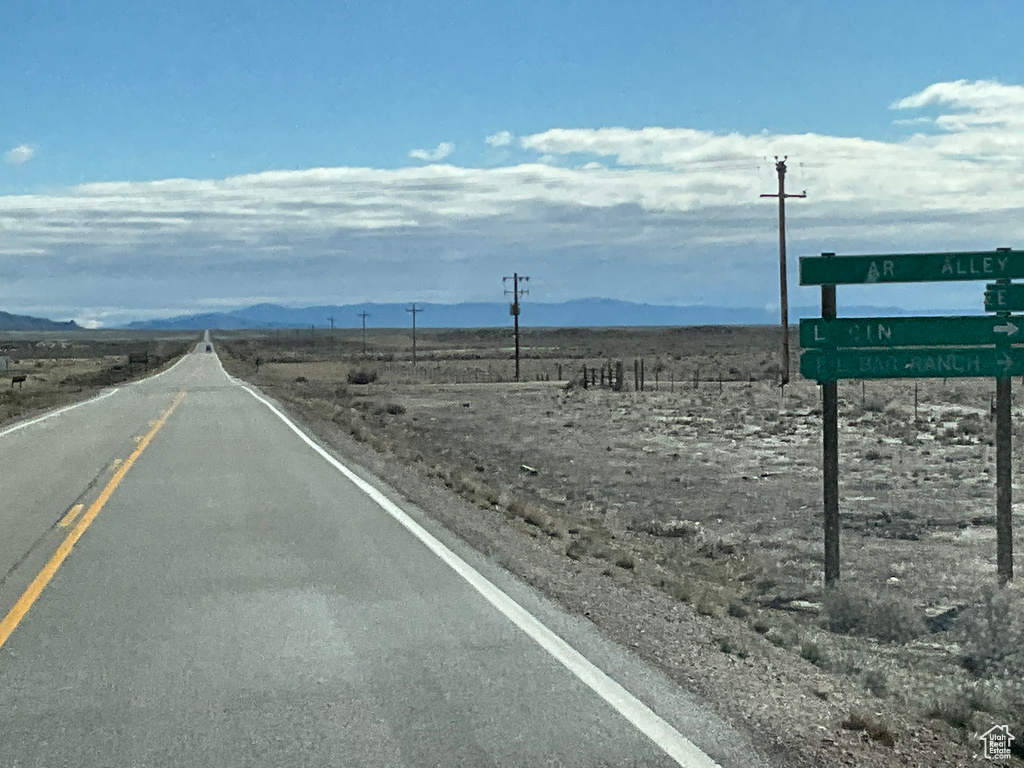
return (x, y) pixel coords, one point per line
(871, 725)
(852, 610)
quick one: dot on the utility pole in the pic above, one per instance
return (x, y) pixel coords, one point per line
(364, 314)
(780, 167)
(331, 318)
(516, 292)
(414, 311)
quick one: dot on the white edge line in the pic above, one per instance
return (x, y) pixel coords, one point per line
(101, 396)
(673, 743)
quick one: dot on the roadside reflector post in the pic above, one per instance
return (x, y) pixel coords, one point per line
(830, 452)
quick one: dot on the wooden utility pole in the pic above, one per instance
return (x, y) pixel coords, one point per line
(414, 311)
(780, 168)
(364, 314)
(513, 309)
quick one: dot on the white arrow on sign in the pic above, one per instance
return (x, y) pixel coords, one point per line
(1006, 363)
(1009, 329)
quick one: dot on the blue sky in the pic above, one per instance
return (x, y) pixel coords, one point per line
(395, 101)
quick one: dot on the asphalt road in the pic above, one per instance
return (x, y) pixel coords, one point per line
(188, 581)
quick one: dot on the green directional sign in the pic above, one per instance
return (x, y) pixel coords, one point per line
(914, 363)
(915, 348)
(911, 267)
(971, 330)
(1004, 298)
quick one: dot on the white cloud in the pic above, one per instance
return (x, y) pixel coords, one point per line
(913, 121)
(89, 320)
(644, 223)
(19, 155)
(499, 139)
(440, 152)
(980, 95)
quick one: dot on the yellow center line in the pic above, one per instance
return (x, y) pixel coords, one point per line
(71, 515)
(28, 598)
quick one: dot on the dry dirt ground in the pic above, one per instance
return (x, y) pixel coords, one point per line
(686, 521)
(60, 368)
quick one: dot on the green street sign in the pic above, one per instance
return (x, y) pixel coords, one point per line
(920, 363)
(971, 330)
(911, 267)
(1004, 298)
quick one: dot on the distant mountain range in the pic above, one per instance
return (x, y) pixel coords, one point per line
(9, 322)
(579, 313)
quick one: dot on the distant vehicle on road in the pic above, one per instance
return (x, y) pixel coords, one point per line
(209, 347)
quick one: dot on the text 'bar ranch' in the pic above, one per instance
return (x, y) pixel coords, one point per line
(919, 363)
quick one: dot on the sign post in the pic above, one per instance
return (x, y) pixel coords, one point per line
(1004, 473)
(916, 347)
(830, 452)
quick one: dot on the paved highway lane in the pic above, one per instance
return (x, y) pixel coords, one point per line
(236, 600)
(49, 465)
